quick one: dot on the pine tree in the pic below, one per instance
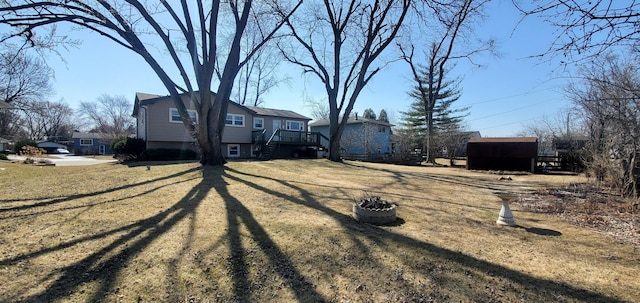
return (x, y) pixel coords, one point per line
(383, 116)
(369, 114)
(424, 120)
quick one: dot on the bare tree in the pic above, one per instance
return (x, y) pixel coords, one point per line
(45, 120)
(109, 115)
(587, 28)
(348, 140)
(565, 125)
(404, 142)
(367, 136)
(609, 96)
(319, 108)
(339, 42)
(258, 77)
(455, 17)
(451, 138)
(23, 79)
(144, 26)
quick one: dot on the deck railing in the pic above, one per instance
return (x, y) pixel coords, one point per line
(286, 136)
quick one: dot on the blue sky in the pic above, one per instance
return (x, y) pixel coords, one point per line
(509, 92)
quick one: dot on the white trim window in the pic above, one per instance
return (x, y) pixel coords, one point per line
(174, 116)
(258, 123)
(295, 125)
(86, 142)
(233, 150)
(235, 120)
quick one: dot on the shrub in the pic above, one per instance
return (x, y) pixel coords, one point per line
(17, 148)
(3, 156)
(31, 151)
(128, 148)
(168, 154)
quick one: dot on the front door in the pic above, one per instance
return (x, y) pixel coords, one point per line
(102, 149)
(277, 124)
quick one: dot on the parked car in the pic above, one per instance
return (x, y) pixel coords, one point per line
(61, 151)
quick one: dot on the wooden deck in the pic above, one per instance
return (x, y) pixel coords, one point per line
(286, 143)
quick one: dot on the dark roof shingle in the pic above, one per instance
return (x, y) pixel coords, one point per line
(284, 113)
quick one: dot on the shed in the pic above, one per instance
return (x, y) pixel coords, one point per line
(504, 153)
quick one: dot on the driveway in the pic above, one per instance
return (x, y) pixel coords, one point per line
(69, 160)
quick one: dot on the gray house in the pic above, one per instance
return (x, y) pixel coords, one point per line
(250, 132)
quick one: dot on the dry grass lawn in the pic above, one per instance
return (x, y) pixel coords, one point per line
(281, 231)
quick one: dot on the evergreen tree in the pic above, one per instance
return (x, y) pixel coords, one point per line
(369, 114)
(413, 124)
(424, 120)
(383, 116)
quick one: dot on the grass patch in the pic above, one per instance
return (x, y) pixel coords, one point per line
(282, 231)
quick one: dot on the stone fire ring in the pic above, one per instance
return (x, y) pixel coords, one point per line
(374, 216)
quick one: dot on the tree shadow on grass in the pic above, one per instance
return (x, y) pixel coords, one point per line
(104, 265)
(468, 181)
(550, 290)
(58, 200)
(237, 215)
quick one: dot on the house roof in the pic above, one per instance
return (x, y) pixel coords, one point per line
(143, 98)
(352, 120)
(51, 144)
(79, 135)
(503, 140)
(262, 111)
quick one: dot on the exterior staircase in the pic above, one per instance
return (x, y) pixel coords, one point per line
(266, 151)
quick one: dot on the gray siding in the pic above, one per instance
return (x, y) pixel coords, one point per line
(178, 145)
(245, 151)
(142, 123)
(235, 134)
(155, 127)
(158, 126)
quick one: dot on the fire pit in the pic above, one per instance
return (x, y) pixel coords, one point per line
(374, 210)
